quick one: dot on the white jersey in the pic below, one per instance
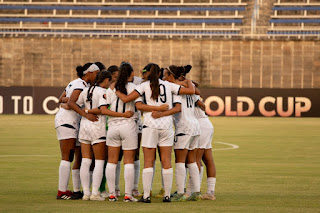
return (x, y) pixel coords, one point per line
(185, 121)
(117, 105)
(167, 90)
(89, 130)
(199, 113)
(70, 117)
(137, 80)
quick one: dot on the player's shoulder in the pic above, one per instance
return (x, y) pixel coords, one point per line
(137, 80)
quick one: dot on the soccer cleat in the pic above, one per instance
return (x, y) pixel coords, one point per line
(147, 200)
(174, 194)
(96, 198)
(178, 198)
(161, 193)
(118, 193)
(63, 196)
(77, 195)
(129, 199)
(135, 193)
(69, 193)
(208, 197)
(104, 194)
(195, 196)
(86, 197)
(166, 199)
(112, 198)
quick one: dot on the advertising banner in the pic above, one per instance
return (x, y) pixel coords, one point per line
(218, 101)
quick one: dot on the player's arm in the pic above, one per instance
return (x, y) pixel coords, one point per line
(175, 109)
(147, 108)
(64, 100)
(106, 111)
(188, 90)
(95, 111)
(72, 104)
(200, 104)
(127, 98)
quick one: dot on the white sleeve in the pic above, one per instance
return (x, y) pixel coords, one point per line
(176, 99)
(175, 88)
(81, 99)
(79, 86)
(102, 99)
(108, 96)
(140, 89)
(137, 80)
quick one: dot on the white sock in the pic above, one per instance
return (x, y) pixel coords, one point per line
(195, 175)
(201, 174)
(154, 171)
(147, 174)
(185, 180)
(85, 175)
(211, 184)
(136, 174)
(167, 180)
(64, 175)
(180, 177)
(128, 180)
(76, 180)
(111, 177)
(190, 186)
(97, 176)
(118, 175)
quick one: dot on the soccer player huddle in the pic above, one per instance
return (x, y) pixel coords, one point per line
(99, 123)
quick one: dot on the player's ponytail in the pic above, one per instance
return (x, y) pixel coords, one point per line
(176, 71)
(122, 80)
(81, 69)
(154, 80)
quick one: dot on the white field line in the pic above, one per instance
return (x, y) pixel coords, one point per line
(233, 146)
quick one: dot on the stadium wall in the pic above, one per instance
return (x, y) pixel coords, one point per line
(51, 62)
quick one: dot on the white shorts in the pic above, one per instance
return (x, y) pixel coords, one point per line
(205, 140)
(151, 138)
(64, 133)
(125, 135)
(183, 141)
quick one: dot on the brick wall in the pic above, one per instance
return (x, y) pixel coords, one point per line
(218, 63)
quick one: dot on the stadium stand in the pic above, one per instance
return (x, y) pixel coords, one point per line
(295, 19)
(121, 18)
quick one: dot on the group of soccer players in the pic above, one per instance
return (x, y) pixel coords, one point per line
(99, 122)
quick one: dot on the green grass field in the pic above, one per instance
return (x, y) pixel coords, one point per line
(275, 169)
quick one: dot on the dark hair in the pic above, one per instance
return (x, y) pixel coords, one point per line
(161, 73)
(154, 79)
(113, 69)
(176, 71)
(187, 69)
(99, 79)
(122, 80)
(100, 65)
(81, 69)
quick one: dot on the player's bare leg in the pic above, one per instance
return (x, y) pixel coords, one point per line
(211, 175)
